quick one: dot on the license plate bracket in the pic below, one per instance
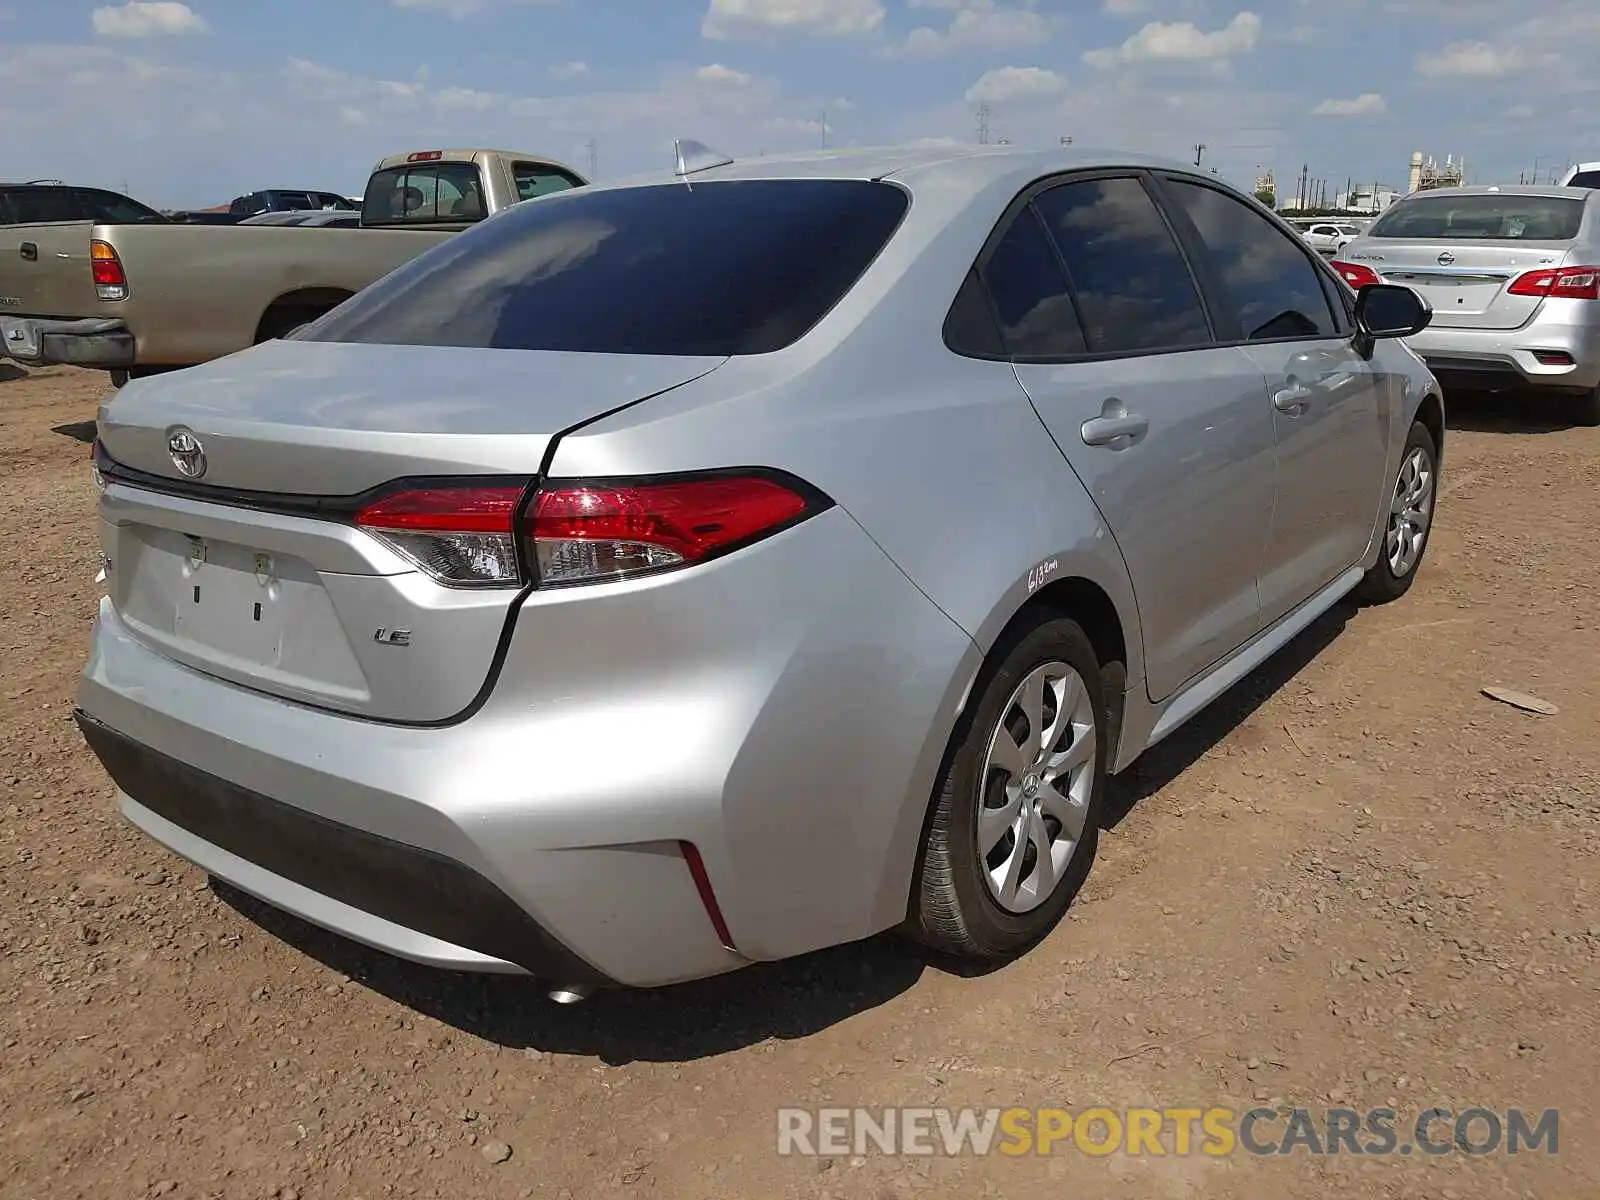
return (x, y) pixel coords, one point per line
(231, 601)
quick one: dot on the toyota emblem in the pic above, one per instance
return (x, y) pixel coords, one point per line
(188, 455)
(1446, 259)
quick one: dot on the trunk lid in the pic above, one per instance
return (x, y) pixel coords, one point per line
(252, 584)
(45, 270)
(1466, 282)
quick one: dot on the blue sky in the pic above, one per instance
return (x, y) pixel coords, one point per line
(190, 103)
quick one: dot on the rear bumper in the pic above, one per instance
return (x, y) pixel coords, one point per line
(423, 906)
(1509, 358)
(785, 725)
(97, 342)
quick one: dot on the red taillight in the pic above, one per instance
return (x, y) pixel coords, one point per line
(425, 156)
(464, 536)
(110, 280)
(585, 532)
(1356, 275)
(1561, 283)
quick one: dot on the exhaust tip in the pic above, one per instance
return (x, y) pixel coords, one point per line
(570, 995)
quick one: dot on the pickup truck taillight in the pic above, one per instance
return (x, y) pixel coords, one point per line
(110, 280)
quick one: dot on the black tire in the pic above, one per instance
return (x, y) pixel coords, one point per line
(285, 321)
(1383, 583)
(1586, 410)
(953, 910)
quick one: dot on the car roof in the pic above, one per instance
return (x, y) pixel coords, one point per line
(966, 167)
(459, 155)
(1508, 189)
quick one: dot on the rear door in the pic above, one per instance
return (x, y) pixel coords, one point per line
(1323, 398)
(1463, 252)
(1169, 433)
(44, 257)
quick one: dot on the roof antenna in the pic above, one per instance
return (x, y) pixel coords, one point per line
(696, 156)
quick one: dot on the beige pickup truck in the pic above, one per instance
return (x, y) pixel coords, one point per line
(134, 299)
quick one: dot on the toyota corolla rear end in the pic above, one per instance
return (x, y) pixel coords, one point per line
(1513, 275)
(364, 656)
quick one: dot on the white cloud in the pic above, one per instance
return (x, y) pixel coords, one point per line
(1475, 59)
(569, 70)
(976, 25)
(1181, 41)
(458, 8)
(728, 19)
(1016, 83)
(147, 19)
(1368, 104)
(719, 74)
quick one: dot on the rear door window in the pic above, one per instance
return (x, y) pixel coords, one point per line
(1030, 292)
(723, 267)
(424, 193)
(540, 179)
(1133, 286)
(1271, 288)
(1585, 179)
(36, 204)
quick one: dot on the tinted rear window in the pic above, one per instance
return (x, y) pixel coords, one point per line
(35, 204)
(1588, 179)
(1501, 218)
(424, 193)
(732, 267)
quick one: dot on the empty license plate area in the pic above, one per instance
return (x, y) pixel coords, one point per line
(231, 598)
(257, 617)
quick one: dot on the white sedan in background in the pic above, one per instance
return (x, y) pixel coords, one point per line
(1331, 238)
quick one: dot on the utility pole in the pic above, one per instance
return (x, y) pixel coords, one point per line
(983, 124)
(1199, 152)
(594, 158)
(1301, 197)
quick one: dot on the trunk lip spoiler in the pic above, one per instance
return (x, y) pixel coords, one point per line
(292, 504)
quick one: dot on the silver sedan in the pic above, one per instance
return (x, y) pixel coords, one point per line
(681, 573)
(1513, 275)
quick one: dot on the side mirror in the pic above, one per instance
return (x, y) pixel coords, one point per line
(1387, 310)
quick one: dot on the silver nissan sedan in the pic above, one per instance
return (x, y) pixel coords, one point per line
(672, 575)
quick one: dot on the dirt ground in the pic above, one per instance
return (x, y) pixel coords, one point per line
(1358, 881)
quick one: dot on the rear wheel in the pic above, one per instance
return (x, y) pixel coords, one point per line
(281, 322)
(1586, 409)
(1410, 521)
(1014, 824)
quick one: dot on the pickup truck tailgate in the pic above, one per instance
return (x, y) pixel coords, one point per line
(45, 270)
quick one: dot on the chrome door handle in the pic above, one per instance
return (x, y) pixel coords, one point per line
(1293, 399)
(1116, 432)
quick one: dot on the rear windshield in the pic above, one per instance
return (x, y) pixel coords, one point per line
(424, 193)
(733, 267)
(1501, 218)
